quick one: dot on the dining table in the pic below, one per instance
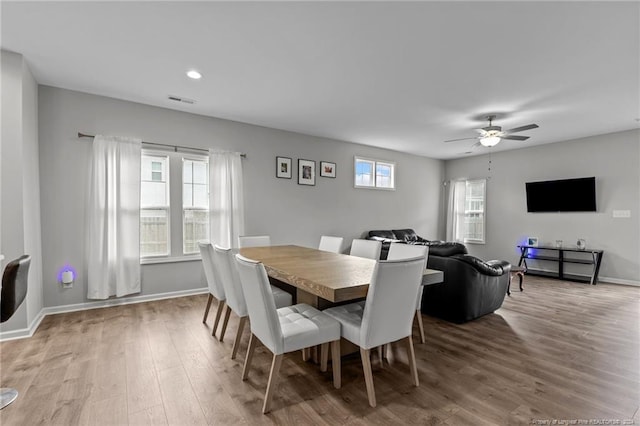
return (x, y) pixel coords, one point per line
(320, 278)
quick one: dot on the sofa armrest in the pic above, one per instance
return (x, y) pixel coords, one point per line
(492, 268)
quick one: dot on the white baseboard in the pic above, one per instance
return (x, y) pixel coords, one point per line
(620, 281)
(28, 332)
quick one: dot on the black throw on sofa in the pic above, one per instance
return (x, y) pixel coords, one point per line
(471, 288)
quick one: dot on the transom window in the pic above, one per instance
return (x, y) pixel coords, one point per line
(374, 173)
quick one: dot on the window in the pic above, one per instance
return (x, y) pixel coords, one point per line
(469, 211)
(195, 204)
(170, 229)
(374, 174)
(154, 205)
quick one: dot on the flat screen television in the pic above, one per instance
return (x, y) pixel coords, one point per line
(566, 195)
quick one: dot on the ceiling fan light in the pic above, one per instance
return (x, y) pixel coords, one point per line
(490, 141)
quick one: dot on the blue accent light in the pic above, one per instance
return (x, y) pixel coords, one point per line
(66, 268)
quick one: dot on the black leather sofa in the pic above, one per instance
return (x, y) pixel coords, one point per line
(471, 288)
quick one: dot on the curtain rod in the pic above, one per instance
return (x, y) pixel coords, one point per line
(175, 147)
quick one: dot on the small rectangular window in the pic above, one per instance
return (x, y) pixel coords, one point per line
(374, 174)
(195, 203)
(154, 205)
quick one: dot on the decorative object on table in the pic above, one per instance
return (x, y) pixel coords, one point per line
(558, 243)
(532, 241)
(582, 244)
(283, 167)
(327, 169)
(306, 172)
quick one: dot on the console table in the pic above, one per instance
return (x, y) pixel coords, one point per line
(561, 255)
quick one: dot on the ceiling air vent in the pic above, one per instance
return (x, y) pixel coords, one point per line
(180, 99)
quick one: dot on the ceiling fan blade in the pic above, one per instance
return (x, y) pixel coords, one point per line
(475, 145)
(481, 131)
(516, 138)
(456, 140)
(523, 128)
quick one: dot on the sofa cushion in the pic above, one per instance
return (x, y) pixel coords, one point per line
(406, 235)
(446, 248)
(384, 234)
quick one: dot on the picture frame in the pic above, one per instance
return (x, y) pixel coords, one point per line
(532, 241)
(327, 169)
(283, 167)
(306, 172)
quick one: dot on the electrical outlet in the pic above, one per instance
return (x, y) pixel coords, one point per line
(622, 213)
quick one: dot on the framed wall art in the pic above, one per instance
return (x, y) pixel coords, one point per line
(306, 172)
(283, 167)
(327, 169)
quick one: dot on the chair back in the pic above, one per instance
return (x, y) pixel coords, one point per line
(366, 248)
(390, 305)
(332, 244)
(228, 274)
(263, 316)
(399, 251)
(14, 286)
(215, 287)
(254, 241)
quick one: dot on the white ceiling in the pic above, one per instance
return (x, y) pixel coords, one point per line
(404, 76)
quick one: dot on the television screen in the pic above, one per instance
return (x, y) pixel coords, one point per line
(567, 195)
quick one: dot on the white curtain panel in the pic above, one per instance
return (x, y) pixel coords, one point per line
(226, 202)
(455, 210)
(113, 255)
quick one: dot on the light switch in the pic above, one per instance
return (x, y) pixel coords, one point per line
(621, 213)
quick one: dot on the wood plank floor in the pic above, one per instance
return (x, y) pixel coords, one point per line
(558, 350)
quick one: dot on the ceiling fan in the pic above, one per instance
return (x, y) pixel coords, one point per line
(492, 135)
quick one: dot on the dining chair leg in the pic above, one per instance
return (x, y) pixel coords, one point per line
(253, 342)
(420, 325)
(221, 305)
(381, 355)
(336, 363)
(324, 356)
(206, 310)
(236, 342)
(273, 381)
(365, 354)
(227, 314)
(306, 354)
(412, 360)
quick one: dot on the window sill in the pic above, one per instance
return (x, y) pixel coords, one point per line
(474, 242)
(155, 260)
(381, 188)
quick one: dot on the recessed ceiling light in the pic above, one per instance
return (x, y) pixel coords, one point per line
(194, 74)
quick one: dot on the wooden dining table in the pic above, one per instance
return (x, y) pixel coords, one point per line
(321, 278)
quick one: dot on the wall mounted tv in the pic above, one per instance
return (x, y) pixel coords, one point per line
(567, 195)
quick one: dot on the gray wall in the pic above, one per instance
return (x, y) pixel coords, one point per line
(614, 160)
(290, 213)
(19, 181)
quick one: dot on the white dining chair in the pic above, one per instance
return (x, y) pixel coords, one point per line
(385, 316)
(254, 241)
(224, 260)
(366, 248)
(215, 287)
(399, 251)
(283, 330)
(332, 244)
